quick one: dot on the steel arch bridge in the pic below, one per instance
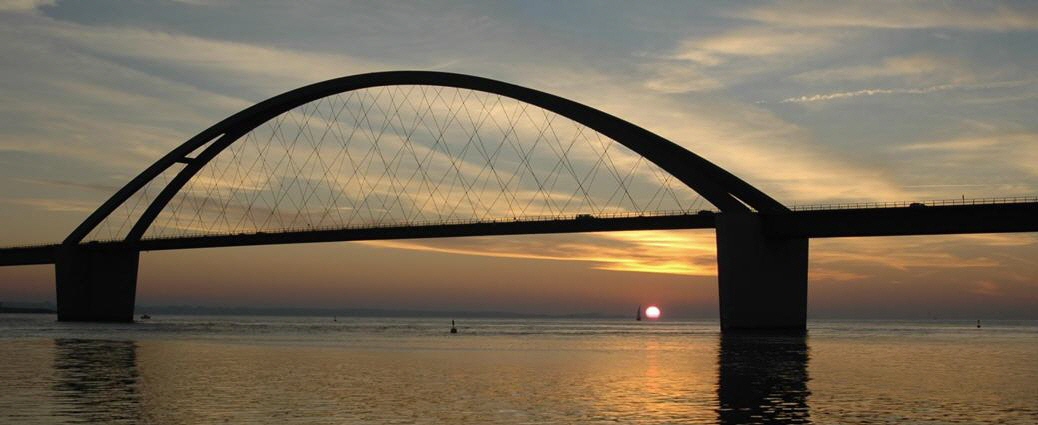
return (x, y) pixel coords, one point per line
(409, 154)
(719, 187)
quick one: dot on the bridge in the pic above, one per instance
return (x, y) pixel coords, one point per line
(417, 154)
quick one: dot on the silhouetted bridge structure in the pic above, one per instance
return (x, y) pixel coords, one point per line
(414, 154)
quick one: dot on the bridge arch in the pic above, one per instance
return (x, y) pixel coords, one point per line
(722, 189)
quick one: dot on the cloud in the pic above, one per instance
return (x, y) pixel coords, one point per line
(54, 205)
(753, 42)
(919, 67)
(892, 14)
(908, 91)
(955, 145)
(1000, 152)
(743, 136)
(988, 288)
(865, 92)
(690, 253)
(102, 188)
(835, 275)
(749, 43)
(264, 67)
(708, 63)
(677, 77)
(23, 5)
(753, 143)
(872, 259)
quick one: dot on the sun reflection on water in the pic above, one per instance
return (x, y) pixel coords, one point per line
(518, 371)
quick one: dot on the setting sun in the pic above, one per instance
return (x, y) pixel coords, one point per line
(652, 312)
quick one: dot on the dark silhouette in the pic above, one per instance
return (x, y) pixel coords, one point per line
(638, 315)
(762, 379)
(454, 330)
(758, 239)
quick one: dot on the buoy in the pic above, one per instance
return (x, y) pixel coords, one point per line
(454, 330)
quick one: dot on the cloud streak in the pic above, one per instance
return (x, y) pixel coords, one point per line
(866, 92)
(689, 253)
(890, 14)
(910, 91)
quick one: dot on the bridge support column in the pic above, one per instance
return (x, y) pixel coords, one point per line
(762, 282)
(96, 284)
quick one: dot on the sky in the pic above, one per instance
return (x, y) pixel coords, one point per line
(812, 102)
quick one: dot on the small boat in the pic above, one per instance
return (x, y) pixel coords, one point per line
(145, 317)
(638, 317)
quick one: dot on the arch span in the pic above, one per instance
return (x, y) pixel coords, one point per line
(724, 190)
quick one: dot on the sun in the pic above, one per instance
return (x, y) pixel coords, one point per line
(652, 312)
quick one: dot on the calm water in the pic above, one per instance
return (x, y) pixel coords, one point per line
(172, 370)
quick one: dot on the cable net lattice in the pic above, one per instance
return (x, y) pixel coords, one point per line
(122, 219)
(417, 155)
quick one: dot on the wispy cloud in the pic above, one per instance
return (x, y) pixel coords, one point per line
(988, 288)
(997, 154)
(205, 56)
(679, 77)
(682, 253)
(891, 14)
(72, 184)
(910, 91)
(921, 67)
(848, 260)
(866, 92)
(54, 205)
(753, 42)
(775, 155)
(23, 5)
(713, 62)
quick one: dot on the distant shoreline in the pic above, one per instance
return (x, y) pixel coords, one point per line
(355, 312)
(27, 310)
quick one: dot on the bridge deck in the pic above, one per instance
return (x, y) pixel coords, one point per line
(852, 222)
(28, 255)
(46, 254)
(905, 221)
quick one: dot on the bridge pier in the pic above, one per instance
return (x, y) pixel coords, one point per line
(96, 284)
(762, 282)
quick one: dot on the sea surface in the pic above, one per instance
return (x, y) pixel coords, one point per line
(313, 370)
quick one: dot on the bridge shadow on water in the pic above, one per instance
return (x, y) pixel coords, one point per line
(96, 381)
(762, 379)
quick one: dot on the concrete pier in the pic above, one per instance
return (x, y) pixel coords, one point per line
(762, 282)
(96, 284)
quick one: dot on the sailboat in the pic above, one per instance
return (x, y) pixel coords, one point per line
(638, 317)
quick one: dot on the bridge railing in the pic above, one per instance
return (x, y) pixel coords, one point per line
(425, 223)
(927, 203)
(449, 222)
(29, 246)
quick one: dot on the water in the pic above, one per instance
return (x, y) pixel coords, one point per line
(173, 370)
